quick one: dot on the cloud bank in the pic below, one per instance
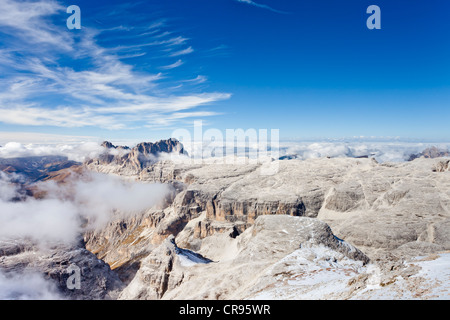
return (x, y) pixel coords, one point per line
(382, 151)
(27, 286)
(76, 152)
(85, 202)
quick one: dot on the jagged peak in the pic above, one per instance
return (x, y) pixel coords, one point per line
(430, 152)
(108, 145)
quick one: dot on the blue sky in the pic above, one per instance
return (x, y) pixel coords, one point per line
(139, 70)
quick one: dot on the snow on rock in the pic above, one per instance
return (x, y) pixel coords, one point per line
(423, 278)
(188, 258)
(261, 257)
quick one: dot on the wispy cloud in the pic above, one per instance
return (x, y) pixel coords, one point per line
(197, 80)
(182, 52)
(173, 65)
(54, 77)
(29, 21)
(263, 6)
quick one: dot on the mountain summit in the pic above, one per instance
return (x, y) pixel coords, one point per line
(138, 157)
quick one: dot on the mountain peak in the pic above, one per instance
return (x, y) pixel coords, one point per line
(138, 157)
(431, 152)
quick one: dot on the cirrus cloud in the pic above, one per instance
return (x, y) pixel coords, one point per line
(263, 6)
(55, 77)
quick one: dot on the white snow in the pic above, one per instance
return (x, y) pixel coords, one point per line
(315, 274)
(188, 259)
(431, 282)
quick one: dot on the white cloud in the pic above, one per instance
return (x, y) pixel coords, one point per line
(27, 286)
(8, 190)
(174, 65)
(43, 138)
(197, 80)
(110, 94)
(250, 2)
(27, 21)
(82, 148)
(43, 221)
(182, 52)
(59, 217)
(382, 151)
(75, 151)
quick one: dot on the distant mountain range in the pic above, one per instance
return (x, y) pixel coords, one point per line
(42, 168)
(34, 169)
(432, 152)
(327, 228)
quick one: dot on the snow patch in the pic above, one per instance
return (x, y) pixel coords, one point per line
(188, 258)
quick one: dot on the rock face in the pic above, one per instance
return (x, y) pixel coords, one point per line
(97, 281)
(376, 207)
(36, 168)
(432, 152)
(158, 273)
(283, 257)
(230, 231)
(172, 273)
(133, 160)
(442, 166)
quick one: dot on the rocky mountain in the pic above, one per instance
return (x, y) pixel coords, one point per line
(328, 228)
(173, 273)
(34, 169)
(432, 152)
(137, 158)
(391, 211)
(26, 171)
(24, 260)
(344, 192)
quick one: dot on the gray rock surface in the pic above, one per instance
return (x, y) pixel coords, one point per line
(237, 269)
(320, 228)
(432, 152)
(97, 281)
(376, 207)
(133, 160)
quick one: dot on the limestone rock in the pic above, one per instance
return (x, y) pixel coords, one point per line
(166, 274)
(97, 281)
(373, 206)
(389, 211)
(157, 274)
(432, 152)
(442, 166)
(129, 161)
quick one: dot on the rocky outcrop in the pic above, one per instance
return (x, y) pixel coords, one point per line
(168, 271)
(432, 152)
(128, 161)
(158, 273)
(55, 265)
(376, 207)
(33, 169)
(230, 232)
(442, 166)
(285, 257)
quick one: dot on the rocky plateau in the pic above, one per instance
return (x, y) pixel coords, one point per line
(328, 228)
